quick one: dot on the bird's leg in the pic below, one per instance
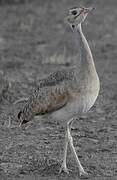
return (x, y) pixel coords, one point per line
(81, 169)
(64, 166)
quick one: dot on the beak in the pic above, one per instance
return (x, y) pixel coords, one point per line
(87, 10)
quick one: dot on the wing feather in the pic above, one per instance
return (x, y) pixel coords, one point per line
(56, 78)
(50, 95)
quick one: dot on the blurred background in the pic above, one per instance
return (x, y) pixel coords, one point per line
(35, 40)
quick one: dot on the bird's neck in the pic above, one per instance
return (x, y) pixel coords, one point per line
(86, 58)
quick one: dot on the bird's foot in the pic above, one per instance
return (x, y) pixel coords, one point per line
(83, 173)
(64, 169)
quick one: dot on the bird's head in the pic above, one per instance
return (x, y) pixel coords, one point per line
(77, 15)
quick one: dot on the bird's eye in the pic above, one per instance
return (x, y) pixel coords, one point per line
(74, 12)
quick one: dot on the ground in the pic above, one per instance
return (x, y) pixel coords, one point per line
(32, 37)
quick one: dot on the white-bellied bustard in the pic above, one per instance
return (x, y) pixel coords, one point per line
(67, 93)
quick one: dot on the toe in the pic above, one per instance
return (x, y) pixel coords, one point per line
(64, 169)
(84, 174)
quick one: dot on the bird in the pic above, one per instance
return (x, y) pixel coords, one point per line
(68, 92)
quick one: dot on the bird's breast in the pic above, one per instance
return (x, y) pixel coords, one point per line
(83, 99)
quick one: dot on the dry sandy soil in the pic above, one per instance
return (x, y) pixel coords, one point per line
(32, 36)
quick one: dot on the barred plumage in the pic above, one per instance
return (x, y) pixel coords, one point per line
(51, 94)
